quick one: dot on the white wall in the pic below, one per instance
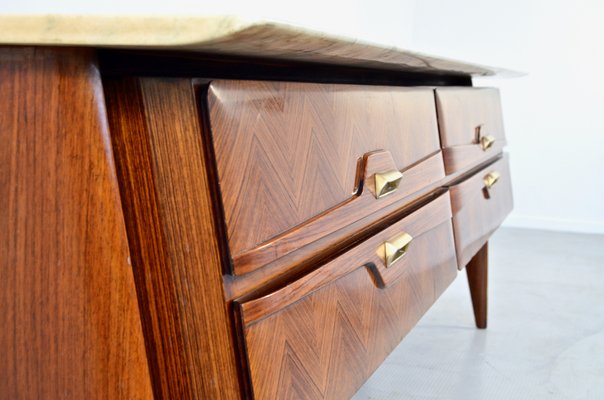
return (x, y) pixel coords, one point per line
(552, 115)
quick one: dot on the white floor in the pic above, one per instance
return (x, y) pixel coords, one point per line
(545, 338)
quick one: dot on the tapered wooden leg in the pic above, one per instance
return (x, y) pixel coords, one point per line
(477, 270)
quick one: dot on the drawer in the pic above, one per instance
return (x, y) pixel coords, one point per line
(478, 210)
(471, 126)
(323, 335)
(299, 161)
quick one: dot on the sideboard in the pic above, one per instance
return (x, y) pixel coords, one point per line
(263, 212)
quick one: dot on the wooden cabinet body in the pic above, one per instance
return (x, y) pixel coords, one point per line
(237, 238)
(290, 157)
(325, 333)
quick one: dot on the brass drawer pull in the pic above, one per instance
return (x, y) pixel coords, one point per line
(396, 248)
(486, 142)
(387, 182)
(490, 180)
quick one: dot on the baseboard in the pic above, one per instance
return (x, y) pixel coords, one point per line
(554, 224)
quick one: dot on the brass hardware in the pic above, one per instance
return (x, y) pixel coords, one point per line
(486, 142)
(396, 248)
(387, 182)
(490, 180)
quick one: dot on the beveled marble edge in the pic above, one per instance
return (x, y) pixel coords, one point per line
(224, 35)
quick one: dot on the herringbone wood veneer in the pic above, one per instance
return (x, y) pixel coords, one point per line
(465, 114)
(287, 152)
(321, 337)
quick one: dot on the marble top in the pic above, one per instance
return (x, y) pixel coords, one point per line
(224, 35)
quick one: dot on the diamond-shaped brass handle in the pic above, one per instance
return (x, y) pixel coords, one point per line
(387, 182)
(486, 142)
(396, 248)
(490, 180)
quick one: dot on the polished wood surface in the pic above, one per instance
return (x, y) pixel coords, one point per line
(462, 110)
(300, 262)
(476, 214)
(170, 219)
(416, 224)
(323, 335)
(69, 319)
(477, 270)
(361, 205)
(289, 152)
(237, 247)
(294, 263)
(464, 115)
(462, 158)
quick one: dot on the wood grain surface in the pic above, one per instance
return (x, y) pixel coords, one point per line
(464, 114)
(462, 158)
(70, 325)
(476, 217)
(288, 152)
(477, 270)
(114, 279)
(322, 336)
(294, 263)
(170, 218)
(361, 204)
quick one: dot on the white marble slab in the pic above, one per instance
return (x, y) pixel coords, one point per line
(224, 35)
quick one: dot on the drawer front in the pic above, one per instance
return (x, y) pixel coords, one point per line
(323, 335)
(478, 210)
(471, 126)
(296, 161)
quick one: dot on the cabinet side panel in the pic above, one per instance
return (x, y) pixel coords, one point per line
(171, 228)
(70, 324)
